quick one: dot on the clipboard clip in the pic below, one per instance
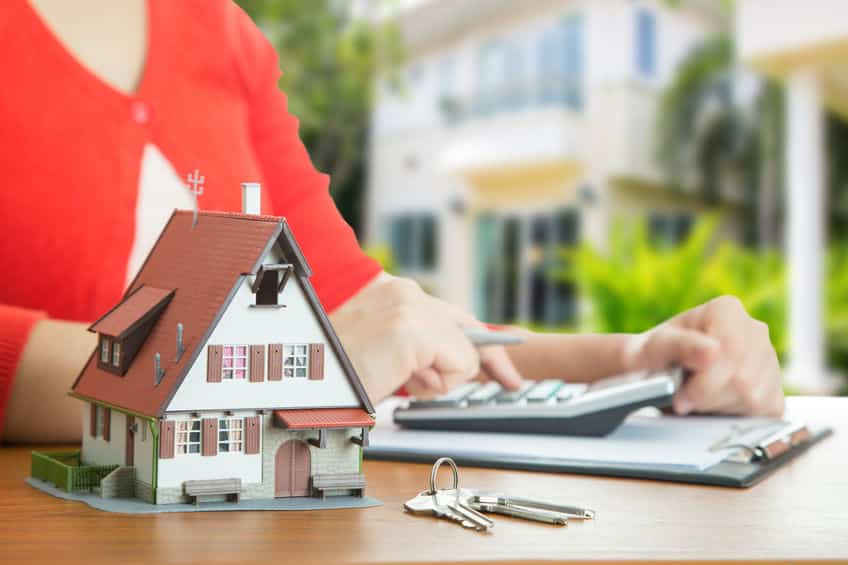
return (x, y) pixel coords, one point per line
(775, 444)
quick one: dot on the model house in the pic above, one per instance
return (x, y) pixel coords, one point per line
(523, 128)
(219, 375)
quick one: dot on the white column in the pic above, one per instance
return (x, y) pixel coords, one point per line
(805, 175)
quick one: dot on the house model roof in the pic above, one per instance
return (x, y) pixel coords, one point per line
(200, 267)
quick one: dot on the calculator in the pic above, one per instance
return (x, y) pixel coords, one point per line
(542, 407)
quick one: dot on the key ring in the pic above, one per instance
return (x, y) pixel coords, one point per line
(435, 471)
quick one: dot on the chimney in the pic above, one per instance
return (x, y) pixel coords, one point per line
(250, 198)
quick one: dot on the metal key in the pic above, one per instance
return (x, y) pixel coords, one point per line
(503, 500)
(525, 513)
(452, 499)
(425, 504)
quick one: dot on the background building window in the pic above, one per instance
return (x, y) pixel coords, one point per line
(646, 42)
(230, 435)
(187, 438)
(296, 361)
(668, 229)
(519, 268)
(561, 64)
(234, 362)
(413, 239)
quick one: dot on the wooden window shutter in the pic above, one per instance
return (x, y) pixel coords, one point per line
(209, 436)
(214, 354)
(275, 361)
(107, 424)
(257, 363)
(93, 420)
(251, 435)
(316, 361)
(166, 439)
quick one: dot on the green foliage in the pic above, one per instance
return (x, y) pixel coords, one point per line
(636, 285)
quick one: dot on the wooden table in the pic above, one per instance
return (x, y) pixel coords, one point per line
(800, 514)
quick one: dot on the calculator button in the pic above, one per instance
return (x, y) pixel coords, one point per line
(569, 391)
(512, 396)
(452, 398)
(484, 394)
(543, 390)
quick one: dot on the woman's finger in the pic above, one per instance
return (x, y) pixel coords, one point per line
(497, 365)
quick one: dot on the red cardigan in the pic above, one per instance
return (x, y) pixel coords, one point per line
(71, 145)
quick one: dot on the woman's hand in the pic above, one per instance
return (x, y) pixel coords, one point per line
(734, 366)
(396, 334)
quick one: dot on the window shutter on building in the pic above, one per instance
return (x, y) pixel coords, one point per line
(214, 354)
(209, 439)
(166, 439)
(257, 363)
(316, 361)
(107, 424)
(275, 361)
(93, 420)
(251, 435)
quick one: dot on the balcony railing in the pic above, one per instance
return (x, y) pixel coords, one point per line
(553, 90)
(63, 469)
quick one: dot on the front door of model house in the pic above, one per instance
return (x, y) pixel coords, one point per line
(130, 450)
(291, 469)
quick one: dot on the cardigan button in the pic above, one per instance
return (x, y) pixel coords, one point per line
(140, 112)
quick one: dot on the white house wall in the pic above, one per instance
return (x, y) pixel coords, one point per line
(143, 454)
(243, 325)
(96, 450)
(183, 467)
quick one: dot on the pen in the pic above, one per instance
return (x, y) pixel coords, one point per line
(482, 336)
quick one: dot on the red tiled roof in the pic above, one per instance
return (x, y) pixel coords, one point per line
(203, 264)
(314, 418)
(123, 316)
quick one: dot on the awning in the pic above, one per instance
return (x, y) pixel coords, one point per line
(317, 418)
(118, 321)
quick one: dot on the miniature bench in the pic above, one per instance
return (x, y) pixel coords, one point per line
(229, 487)
(351, 481)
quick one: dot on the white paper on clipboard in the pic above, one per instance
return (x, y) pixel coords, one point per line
(651, 441)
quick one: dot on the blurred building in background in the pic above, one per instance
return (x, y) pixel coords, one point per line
(522, 128)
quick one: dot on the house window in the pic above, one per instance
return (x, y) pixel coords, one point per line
(267, 293)
(104, 349)
(144, 432)
(99, 421)
(234, 362)
(646, 43)
(230, 435)
(187, 437)
(116, 354)
(413, 239)
(296, 361)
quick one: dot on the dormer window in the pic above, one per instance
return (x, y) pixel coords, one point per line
(124, 328)
(269, 284)
(116, 354)
(104, 349)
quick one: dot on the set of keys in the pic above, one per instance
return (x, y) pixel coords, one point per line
(466, 506)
